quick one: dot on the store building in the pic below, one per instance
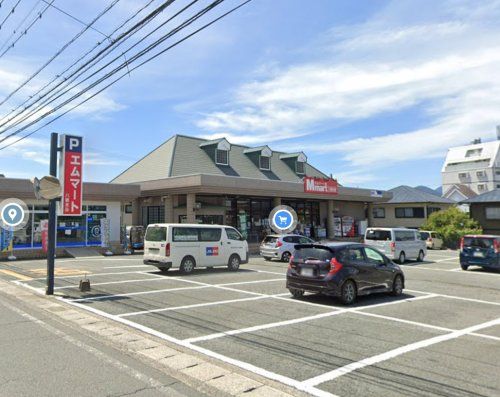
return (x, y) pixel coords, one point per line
(100, 200)
(188, 179)
(485, 209)
(408, 207)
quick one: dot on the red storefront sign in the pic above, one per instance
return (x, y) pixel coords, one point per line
(71, 175)
(320, 186)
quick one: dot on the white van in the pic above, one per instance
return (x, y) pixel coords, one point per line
(186, 246)
(397, 243)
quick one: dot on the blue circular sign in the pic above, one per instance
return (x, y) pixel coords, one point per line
(283, 219)
(14, 214)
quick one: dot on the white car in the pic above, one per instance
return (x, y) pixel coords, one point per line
(187, 246)
(281, 246)
(433, 240)
(399, 244)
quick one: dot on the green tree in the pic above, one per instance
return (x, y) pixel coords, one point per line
(452, 224)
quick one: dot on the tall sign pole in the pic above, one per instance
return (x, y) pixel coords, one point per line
(51, 249)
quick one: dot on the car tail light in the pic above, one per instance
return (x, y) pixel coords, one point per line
(167, 249)
(496, 246)
(462, 244)
(335, 266)
(278, 244)
(393, 246)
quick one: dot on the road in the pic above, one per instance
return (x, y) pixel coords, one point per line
(441, 338)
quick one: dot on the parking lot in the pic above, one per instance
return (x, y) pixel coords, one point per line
(441, 338)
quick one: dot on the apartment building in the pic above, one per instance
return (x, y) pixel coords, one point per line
(475, 166)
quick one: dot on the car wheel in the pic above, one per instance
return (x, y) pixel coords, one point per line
(402, 258)
(421, 256)
(464, 267)
(296, 293)
(286, 257)
(234, 263)
(397, 286)
(163, 269)
(188, 264)
(348, 292)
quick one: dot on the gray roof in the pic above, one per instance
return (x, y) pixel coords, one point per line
(492, 196)
(182, 155)
(407, 194)
(427, 189)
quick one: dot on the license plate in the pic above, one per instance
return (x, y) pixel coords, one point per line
(307, 272)
(478, 254)
(154, 250)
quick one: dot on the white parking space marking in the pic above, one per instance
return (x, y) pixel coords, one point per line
(453, 270)
(111, 283)
(456, 297)
(124, 267)
(89, 273)
(451, 258)
(336, 373)
(298, 320)
(241, 364)
(167, 309)
(157, 291)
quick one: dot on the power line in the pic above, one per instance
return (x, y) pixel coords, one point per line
(24, 31)
(73, 17)
(9, 14)
(113, 3)
(56, 77)
(68, 79)
(125, 74)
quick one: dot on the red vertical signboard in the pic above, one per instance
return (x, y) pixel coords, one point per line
(71, 175)
(44, 226)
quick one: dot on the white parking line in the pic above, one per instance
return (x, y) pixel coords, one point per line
(296, 320)
(167, 309)
(110, 282)
(455, 297)
(451, 258)
(241, 364)
(89, 273)
(124, 267)
(453, 270)
(157, 291)
(336, 373)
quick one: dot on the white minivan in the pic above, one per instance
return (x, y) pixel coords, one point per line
(186, 246)
(397, 243)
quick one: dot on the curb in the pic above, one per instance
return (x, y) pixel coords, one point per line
(207, 375)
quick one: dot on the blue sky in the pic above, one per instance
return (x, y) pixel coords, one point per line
(373, 91)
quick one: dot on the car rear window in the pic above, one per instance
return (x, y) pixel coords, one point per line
(478, 242)
(270, 240)
(156, 233)
(380, 235)
(312, 253)
(424, 235)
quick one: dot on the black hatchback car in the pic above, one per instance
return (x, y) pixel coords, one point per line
(343, 270)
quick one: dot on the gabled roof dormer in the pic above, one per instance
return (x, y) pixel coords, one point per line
(260, 156)
(296, 161)
(218, 150)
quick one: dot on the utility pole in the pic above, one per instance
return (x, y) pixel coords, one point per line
(51, 249)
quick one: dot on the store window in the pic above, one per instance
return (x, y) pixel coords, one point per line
(492, 212)
(128, 208)
(221, 157)
(410, 212)
(265, 163)
(430, 210)
(378, 212)
(153, 214)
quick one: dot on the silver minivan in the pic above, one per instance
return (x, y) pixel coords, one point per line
(399, 244)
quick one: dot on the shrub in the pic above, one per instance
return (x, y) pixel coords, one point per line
(452, 224)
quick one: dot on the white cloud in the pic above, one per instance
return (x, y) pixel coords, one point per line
(447, 65)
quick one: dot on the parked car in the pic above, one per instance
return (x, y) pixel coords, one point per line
(433, 240)
(343, 270)
(483, 250)
(398, 244)
(281, 246)
(186, 246)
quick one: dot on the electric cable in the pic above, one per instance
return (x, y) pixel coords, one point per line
(203, 27)
(59, 52)
(11, 12)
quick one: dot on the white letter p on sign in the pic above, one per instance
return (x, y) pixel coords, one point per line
(73, 143)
